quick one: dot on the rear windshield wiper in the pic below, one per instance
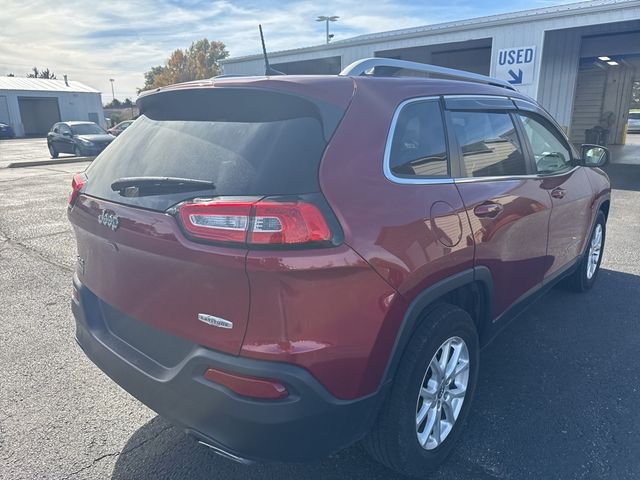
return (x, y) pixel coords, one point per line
(139, 186)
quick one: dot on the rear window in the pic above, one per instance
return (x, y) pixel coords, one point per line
(245, 141)
(87, 129)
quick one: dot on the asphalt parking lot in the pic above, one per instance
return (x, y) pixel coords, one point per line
(22, 149)
(558, 393)
(31, 150)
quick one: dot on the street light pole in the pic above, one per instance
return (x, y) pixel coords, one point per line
(324, 18)
(113, 95)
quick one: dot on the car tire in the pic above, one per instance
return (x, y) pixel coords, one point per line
(583, 278)
(397, 439)
(52, 151)
(77, 152)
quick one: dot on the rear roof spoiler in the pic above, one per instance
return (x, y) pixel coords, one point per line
(364, 66)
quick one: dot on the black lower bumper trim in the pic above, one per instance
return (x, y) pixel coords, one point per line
(308, 424)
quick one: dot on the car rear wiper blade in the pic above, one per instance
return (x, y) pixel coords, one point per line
(139, 186)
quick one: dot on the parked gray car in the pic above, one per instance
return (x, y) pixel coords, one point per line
(80, 138)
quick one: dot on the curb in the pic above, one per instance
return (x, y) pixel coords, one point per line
(53, 161)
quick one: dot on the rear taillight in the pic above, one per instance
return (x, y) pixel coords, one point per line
(260, 222)
(76, 185)
(217, 220)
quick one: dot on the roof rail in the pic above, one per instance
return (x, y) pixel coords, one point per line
(361, 67)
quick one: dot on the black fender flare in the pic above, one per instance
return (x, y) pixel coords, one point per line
(593, 223)
(416, 310)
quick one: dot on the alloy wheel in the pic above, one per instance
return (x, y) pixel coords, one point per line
(442, 393)
(595, 247)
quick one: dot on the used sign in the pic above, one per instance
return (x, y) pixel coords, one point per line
(516, 65)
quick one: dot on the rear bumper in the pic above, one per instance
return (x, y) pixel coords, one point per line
(310, 423)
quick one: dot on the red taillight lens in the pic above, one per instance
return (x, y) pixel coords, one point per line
(247, 386)
(265, 222)
(288, 223)
(76, 185)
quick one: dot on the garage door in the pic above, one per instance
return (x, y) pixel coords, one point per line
(4, 110)
(38, 114)
(587, 107)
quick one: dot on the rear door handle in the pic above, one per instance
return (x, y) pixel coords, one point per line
(488, 210)
(558, 192)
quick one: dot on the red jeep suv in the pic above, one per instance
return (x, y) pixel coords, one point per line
(286, 265)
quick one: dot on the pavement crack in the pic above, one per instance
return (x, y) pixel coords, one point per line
(34, 253)
(115, 454)
(5, 240)
(45, 235)
(93, 462)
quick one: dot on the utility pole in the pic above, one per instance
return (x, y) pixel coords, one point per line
(323, 18)
(113, 95)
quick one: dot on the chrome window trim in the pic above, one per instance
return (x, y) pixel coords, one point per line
(386, 166)
(513, 177)
(448, 180)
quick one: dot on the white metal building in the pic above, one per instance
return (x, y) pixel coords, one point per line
(551, 54)
(32, 105)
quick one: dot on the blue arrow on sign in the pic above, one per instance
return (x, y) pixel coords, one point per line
(516, 79)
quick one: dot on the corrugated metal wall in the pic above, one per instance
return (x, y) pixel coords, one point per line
(558, 72)
(588, 102)
(72, 105)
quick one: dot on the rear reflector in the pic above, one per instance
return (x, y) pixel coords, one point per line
(259, 222)
(77, 183)
(247, 386)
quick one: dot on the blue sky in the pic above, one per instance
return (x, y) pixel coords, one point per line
(120, 39)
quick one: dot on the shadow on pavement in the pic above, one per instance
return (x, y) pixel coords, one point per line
(557, 398)
(623, 176)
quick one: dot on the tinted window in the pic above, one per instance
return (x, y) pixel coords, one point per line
(489, 143)
(87, 129)
(550, 152)
(248, 142)
(418, 148)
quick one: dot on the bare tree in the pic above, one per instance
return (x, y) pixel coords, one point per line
(46, 73)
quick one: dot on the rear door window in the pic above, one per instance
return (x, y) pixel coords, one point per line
(418, 147)
(489, 143)
(245, 141)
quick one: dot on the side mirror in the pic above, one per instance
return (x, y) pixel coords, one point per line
(66, 134)
(594, 155)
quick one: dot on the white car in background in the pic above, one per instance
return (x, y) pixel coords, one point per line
(633, 124)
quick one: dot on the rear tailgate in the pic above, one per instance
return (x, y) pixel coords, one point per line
(148, 270)
(134, 254)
